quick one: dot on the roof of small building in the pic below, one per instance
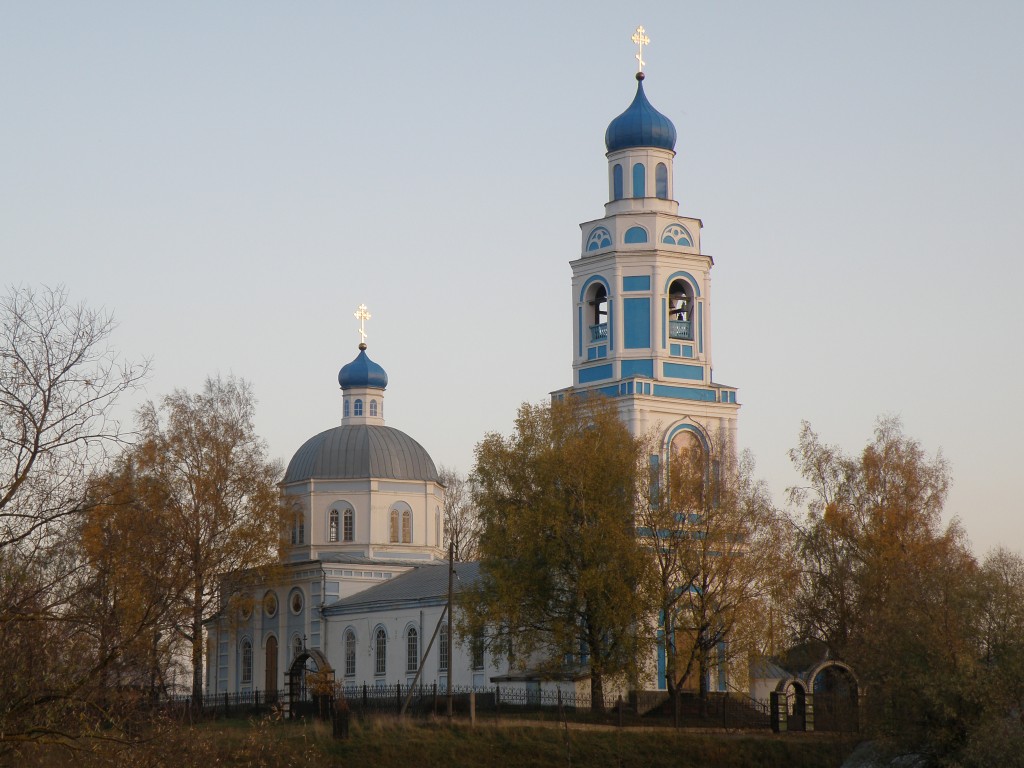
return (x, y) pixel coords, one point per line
(423, 583)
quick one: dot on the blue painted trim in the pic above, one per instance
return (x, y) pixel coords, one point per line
(635, 235)
(590, 281)
(595, 373)
(700, 328)
(681, 371)
(684, 393)
(643, 368)
(637, 330)
(602, 351)
(687, 276)
(687, 350)
(611, 324)
(591, 353)
(664, 323)
(579, 330)
(636, 283)
(675, 349)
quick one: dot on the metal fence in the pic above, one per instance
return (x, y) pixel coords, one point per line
(720, 710)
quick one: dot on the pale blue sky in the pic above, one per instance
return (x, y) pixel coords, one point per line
(232, 179)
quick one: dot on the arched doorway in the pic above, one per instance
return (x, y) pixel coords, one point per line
(310, 685)
(270, 665)
(836, 697)
(796, 704)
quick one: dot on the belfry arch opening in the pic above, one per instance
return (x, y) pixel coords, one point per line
(680, 310)
(598, 306)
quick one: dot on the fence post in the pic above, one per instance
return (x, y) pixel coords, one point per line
(398, 696)
(619, 704)
(497, 701)
(435, 697)
(257, 699)
(365, 697)
(226, 710)
(472, 707)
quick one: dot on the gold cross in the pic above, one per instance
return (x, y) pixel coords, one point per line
(362, 316)
(641, 39)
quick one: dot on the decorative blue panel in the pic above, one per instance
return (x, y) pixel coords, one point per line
(700, 328)
(647, 388)
(637, 331)
(684, 393)
(643, 368)
(637, 283)
(639, 180)
(595, 373)
(636, 235)
(611, 391)
(681, 371)
(579, 329)
(675, 349)
(676, 234)
(687, 350)
(591, 353)
(599, 238)
(602, 351)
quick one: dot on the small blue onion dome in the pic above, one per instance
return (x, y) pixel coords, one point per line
(641, 125)
(362, 372)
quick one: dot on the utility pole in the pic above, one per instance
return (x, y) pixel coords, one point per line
(451, 623)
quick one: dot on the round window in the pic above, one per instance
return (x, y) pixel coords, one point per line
(270, 604)
(296, 602)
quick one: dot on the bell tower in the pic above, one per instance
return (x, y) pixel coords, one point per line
(641, 293)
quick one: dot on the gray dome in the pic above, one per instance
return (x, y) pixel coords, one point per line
(359, 451)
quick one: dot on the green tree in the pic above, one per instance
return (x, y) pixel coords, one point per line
(885, 583)
(216, 494)
(562, 568)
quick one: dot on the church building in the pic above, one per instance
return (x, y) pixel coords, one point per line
(363, 582)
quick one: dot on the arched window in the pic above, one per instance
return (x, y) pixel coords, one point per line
(680, 310)
(373, 407)
(357, 407)
(617, 182)
(661, 181)
(639, 180)
(443, 649)
(380, 652)
(270, 665)
(332, 526)
(301, 524)
(350, 653)
(393, 537)
(412, 656)
(350, 525)
(246, 661)
(406, 526)
(344, 408)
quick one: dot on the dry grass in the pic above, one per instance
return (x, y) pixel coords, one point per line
(384, 742)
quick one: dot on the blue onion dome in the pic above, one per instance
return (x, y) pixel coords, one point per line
(362, 372)
(641, 125)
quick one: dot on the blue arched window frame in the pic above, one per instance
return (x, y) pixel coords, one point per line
(639, 180)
